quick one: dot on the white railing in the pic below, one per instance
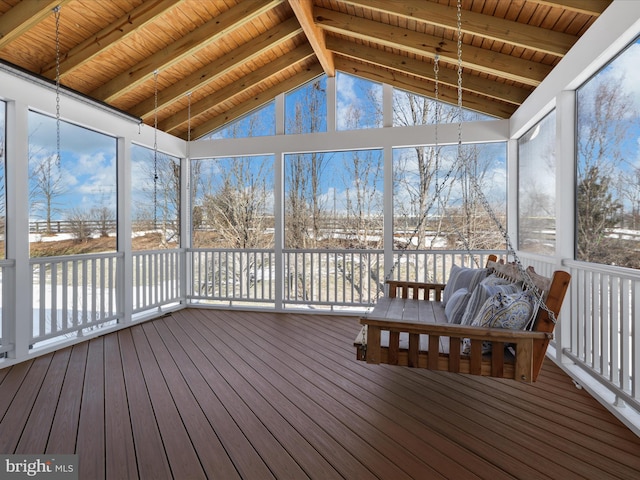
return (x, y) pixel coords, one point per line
(73, 295)
(157, 278)
(434, 265)
(232, 276)
(604, 339)
(332, 278)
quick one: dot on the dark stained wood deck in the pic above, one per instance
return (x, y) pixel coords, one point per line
(230, 394)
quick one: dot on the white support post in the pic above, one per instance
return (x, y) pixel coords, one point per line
(565, 195)
(17, 233)
(331, 104)
(185, 225)
(125, 277)
(278, 208)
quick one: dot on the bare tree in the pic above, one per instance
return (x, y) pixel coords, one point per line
(304, 209)
(236, 207)
(47, 185)
(605, 118)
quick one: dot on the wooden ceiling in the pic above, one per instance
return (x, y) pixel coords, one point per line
(226, 57)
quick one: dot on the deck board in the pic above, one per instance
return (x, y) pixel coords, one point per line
(232, 394)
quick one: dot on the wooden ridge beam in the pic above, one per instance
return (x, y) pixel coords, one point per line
(474, 58)
(256, 101)
(105, 38)
(446, 94)
(303, 10)
(221, 66)
(297, 55)
(211, 31)
(486, 26)
(24, 16)
(412, 66)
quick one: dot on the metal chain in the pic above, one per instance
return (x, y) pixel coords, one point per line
(155, 149)
(56, 12)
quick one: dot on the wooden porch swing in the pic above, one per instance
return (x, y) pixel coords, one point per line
(409, 327)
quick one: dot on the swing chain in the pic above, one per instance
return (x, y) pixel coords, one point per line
(155, 149)
(56, 12)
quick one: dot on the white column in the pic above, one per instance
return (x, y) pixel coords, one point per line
(331, 104)
(125, 278)
(278, 206)
(17, 231)
(565, 202)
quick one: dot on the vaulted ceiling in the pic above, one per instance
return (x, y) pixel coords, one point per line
(207, 62)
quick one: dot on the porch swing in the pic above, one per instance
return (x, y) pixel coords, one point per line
(503, 334)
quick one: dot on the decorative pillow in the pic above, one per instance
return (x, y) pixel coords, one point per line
(457, 304)
(502, 310)
(462, 277)
(513, 311)
(480, 295)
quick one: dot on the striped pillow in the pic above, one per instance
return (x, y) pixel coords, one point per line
(456, 306)
(462, 277)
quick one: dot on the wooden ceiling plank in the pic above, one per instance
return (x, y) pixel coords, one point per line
(117, 31)
(475, 58)
(303, 10)
(24, 16)
(412, 66)
(187, 45)
(250, 80)
(486, 26)
(256, 101)
(588, 7)
(219, 67)
(445, 94)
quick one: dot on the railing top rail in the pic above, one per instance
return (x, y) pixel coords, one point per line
(157, 251)
(621, 272)
(70, 258)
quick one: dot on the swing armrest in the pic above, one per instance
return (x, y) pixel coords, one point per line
(417, 290)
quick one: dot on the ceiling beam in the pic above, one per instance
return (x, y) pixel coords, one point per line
(23, 16)
(588, 7)
(256, 101)
(303, 10)
(185, 46)
(482, 60)
(412, 66)
(473, 23)
(241, 85)
(219, 67)
(117, 31)
(446, 94)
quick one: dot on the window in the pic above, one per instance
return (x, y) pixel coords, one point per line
(306, 108)
(438, 201)
(155, 195)
(359, 103)
(261, 122)
(72, 191)
(334, 200)
(232, 202)
(608, 164)
(413, 109)
(537, 188)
